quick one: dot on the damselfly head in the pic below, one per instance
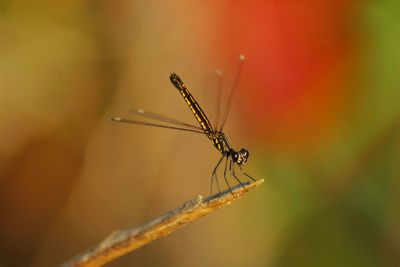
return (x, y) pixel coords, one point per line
(243, 156)
(240, 157)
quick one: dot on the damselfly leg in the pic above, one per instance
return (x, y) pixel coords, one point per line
(243, 172)
(226, 180)
(232, 168)
(214, 176)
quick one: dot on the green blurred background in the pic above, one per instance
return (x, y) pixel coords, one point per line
(317, 106)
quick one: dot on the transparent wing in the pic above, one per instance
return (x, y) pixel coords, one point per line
(162, 118)
(213, 86)
(124, 120)
(228, 88)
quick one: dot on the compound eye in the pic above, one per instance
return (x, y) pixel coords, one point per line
(235, 156)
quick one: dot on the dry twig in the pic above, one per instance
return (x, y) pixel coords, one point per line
(121, 242)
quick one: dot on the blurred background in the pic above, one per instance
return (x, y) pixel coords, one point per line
(317, 106)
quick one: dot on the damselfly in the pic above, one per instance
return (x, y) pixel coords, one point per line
(213, 132)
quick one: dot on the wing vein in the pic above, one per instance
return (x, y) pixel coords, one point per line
(123, 120)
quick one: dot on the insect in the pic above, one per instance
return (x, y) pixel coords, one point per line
(214, 133)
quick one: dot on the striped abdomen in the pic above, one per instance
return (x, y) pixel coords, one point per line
(193, 105)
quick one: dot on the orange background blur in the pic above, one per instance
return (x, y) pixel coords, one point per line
(317, 106)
